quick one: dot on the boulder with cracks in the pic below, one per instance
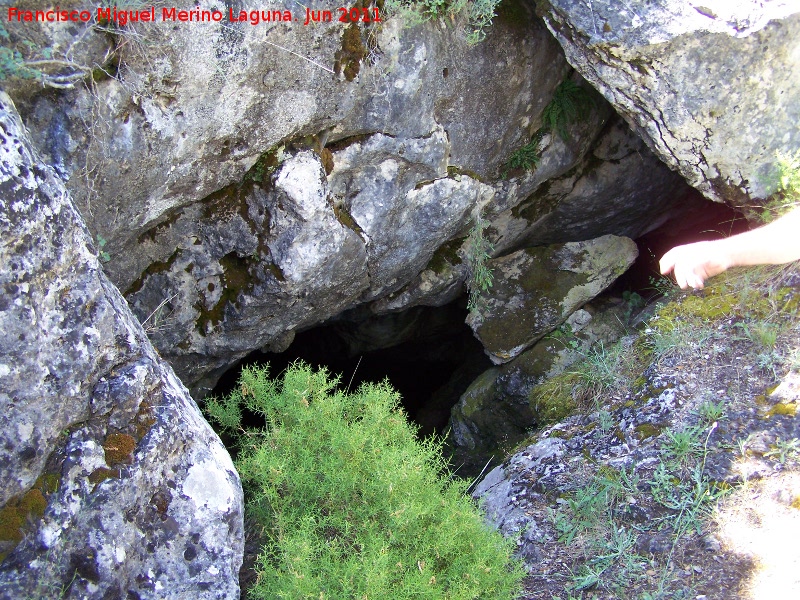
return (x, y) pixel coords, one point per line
(710, 88)
(115, 485)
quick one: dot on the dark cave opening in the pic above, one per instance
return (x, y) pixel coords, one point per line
(430, 355)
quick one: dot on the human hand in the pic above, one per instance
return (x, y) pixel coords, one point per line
(692, 264)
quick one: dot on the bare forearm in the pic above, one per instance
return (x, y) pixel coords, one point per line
(775, 243)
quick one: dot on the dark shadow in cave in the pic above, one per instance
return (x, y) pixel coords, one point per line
(428, 354)
(702, 220)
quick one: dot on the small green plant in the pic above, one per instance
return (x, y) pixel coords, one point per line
(102, 253)
(24, 59)
(762, 333)
(785, 450)
(605, 420)
(12, 63)
(527, 157)
(571, 103)
(479, 250)
(682, 445)
(787, 195)
(710, 411)
(587, 518)
(634, 302)
(349, 503)
(599, 371)
(663, 285)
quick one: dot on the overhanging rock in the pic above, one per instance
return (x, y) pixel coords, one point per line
(714, 89)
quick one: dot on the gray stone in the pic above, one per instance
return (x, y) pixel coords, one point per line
(713, 91)
(619, 186)
(245, 193)
(536, 289)
(117, 483)
(498, 407)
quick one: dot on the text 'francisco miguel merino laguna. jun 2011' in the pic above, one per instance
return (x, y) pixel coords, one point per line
(122, 17)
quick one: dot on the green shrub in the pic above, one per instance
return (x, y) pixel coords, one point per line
(480, 13)
(350, 503)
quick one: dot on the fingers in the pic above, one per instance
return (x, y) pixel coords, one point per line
(667, 262)
(685, 264)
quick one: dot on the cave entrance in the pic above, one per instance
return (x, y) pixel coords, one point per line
(428, 354)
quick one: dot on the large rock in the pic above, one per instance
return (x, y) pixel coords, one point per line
(195, 105)
(713, 89)
(536, 289)
(615, 184)
(245, 193)
(114, 484)
(498, 408)
(619, 187)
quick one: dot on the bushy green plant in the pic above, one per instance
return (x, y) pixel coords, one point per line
(350, 503)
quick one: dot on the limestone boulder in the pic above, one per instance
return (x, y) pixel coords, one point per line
(114, 484)
(714, 89)
(536, 289)
(615, 185)
(499, 408)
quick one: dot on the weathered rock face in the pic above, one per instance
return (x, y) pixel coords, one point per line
(713, 89)
(114, 484)
(498, 408)
(246, 193)
(536, 289)
(195, 106)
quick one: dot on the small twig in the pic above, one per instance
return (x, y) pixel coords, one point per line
(316, 64)
(353, 375)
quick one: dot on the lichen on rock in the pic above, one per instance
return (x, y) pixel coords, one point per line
(95, 423)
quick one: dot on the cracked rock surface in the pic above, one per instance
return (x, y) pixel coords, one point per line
(709, 86)
(114, 484)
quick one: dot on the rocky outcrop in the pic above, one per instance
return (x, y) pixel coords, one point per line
(536, 289)
(638, 469)
(114, 484)
(498, 407)
(245, 192)
(713, 89)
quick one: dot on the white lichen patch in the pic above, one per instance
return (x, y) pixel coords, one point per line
(207, 485)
